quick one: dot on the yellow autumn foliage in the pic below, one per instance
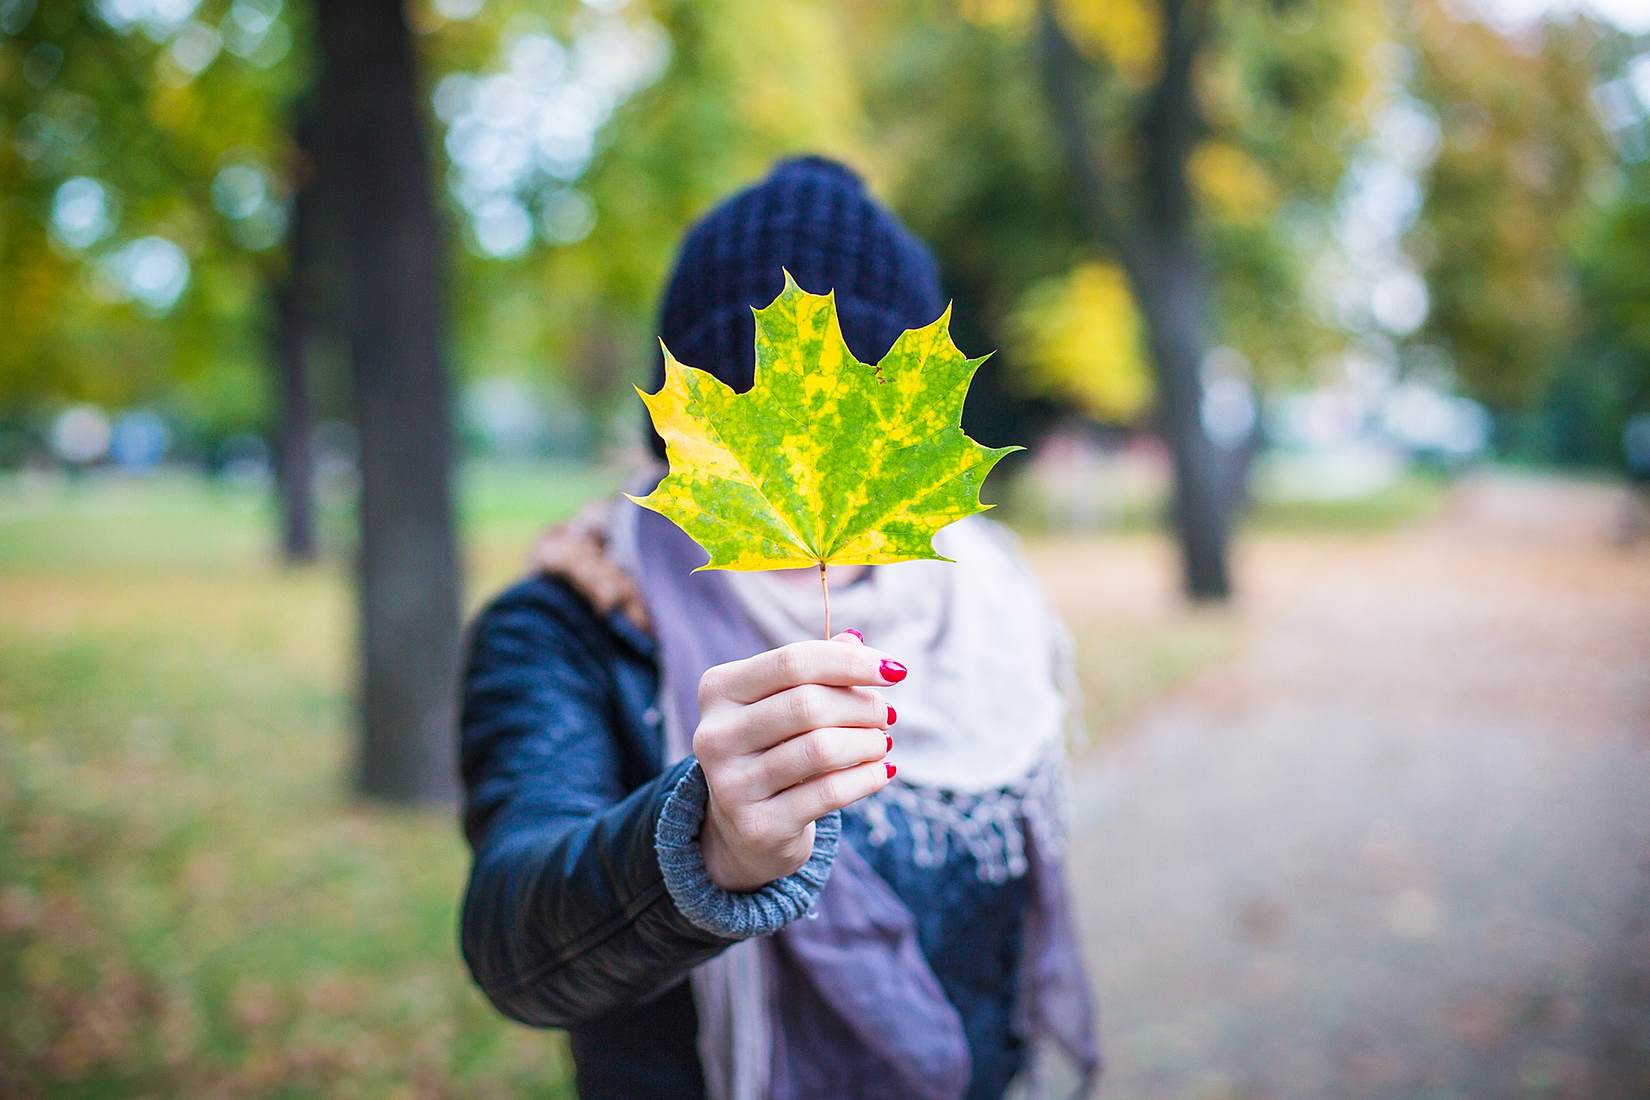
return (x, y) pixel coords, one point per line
(1080, 338)
(1000, 14)
(1123, 33)
(1233, 185)
(784, 105)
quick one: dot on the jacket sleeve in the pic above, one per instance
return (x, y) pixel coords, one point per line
(568, 914)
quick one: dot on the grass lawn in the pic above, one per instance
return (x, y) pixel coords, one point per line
(190, 903)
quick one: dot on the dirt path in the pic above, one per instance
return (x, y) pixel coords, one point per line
(1400, 845)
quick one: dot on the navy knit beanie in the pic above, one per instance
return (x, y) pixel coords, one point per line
(812, 217)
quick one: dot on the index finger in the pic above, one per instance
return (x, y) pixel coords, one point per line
(838, 664)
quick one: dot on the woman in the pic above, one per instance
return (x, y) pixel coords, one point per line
(692, 850)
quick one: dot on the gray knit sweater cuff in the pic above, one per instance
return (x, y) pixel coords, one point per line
(721, 912)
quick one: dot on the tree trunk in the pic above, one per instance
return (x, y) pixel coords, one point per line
(294, 426)
(292, 304)
(1160, 255)
(408, 564)
(294, 414)
(1173, 294)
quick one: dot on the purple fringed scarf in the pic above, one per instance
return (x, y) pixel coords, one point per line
(842, 1002)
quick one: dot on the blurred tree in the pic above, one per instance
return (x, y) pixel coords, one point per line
(116, 181)
(1615, 284)
(1613, 278)
(709, 108)
(1503, 198)
(1194, 112)
(966, 163)
(1160, 250)
(144, 197)
(1247, 112)
(728, 104)
(1602, 376)
(374, 160)
(293, 308)
(579, 140)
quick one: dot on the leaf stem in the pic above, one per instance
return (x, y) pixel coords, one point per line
(825, 593)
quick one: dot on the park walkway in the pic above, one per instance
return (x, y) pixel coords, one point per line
(1399, 846)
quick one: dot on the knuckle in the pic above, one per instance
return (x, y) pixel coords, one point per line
(816, 751)
(803, 703)
(832, 793)
(788, 662)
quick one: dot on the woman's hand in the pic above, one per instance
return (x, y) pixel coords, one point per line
(575, 551)
(784, 738)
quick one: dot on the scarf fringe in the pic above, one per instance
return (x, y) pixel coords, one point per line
(991, 826)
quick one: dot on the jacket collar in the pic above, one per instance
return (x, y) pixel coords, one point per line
(631, 635)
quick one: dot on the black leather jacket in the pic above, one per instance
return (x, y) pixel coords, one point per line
(567, 922)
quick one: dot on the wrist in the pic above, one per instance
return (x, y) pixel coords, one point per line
(734, 868)
(730, 914)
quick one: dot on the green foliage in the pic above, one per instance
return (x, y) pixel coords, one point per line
(825, 460)
(183, 125)
(1288, 86)
(122, 114)
(1602, 375)
(1519, 147)
(726, 104)
(971, 170)
(1614, 281)
(1614, 274)
(1282, 95)
(153, 113)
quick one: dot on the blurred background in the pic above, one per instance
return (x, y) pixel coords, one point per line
(1327, 323)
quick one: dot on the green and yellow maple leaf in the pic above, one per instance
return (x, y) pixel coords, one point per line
(824, 460)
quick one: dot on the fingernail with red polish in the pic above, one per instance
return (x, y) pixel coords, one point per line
(856, 634)
(892, 671)
(892, 716)
(890, 747)
(891, 770)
